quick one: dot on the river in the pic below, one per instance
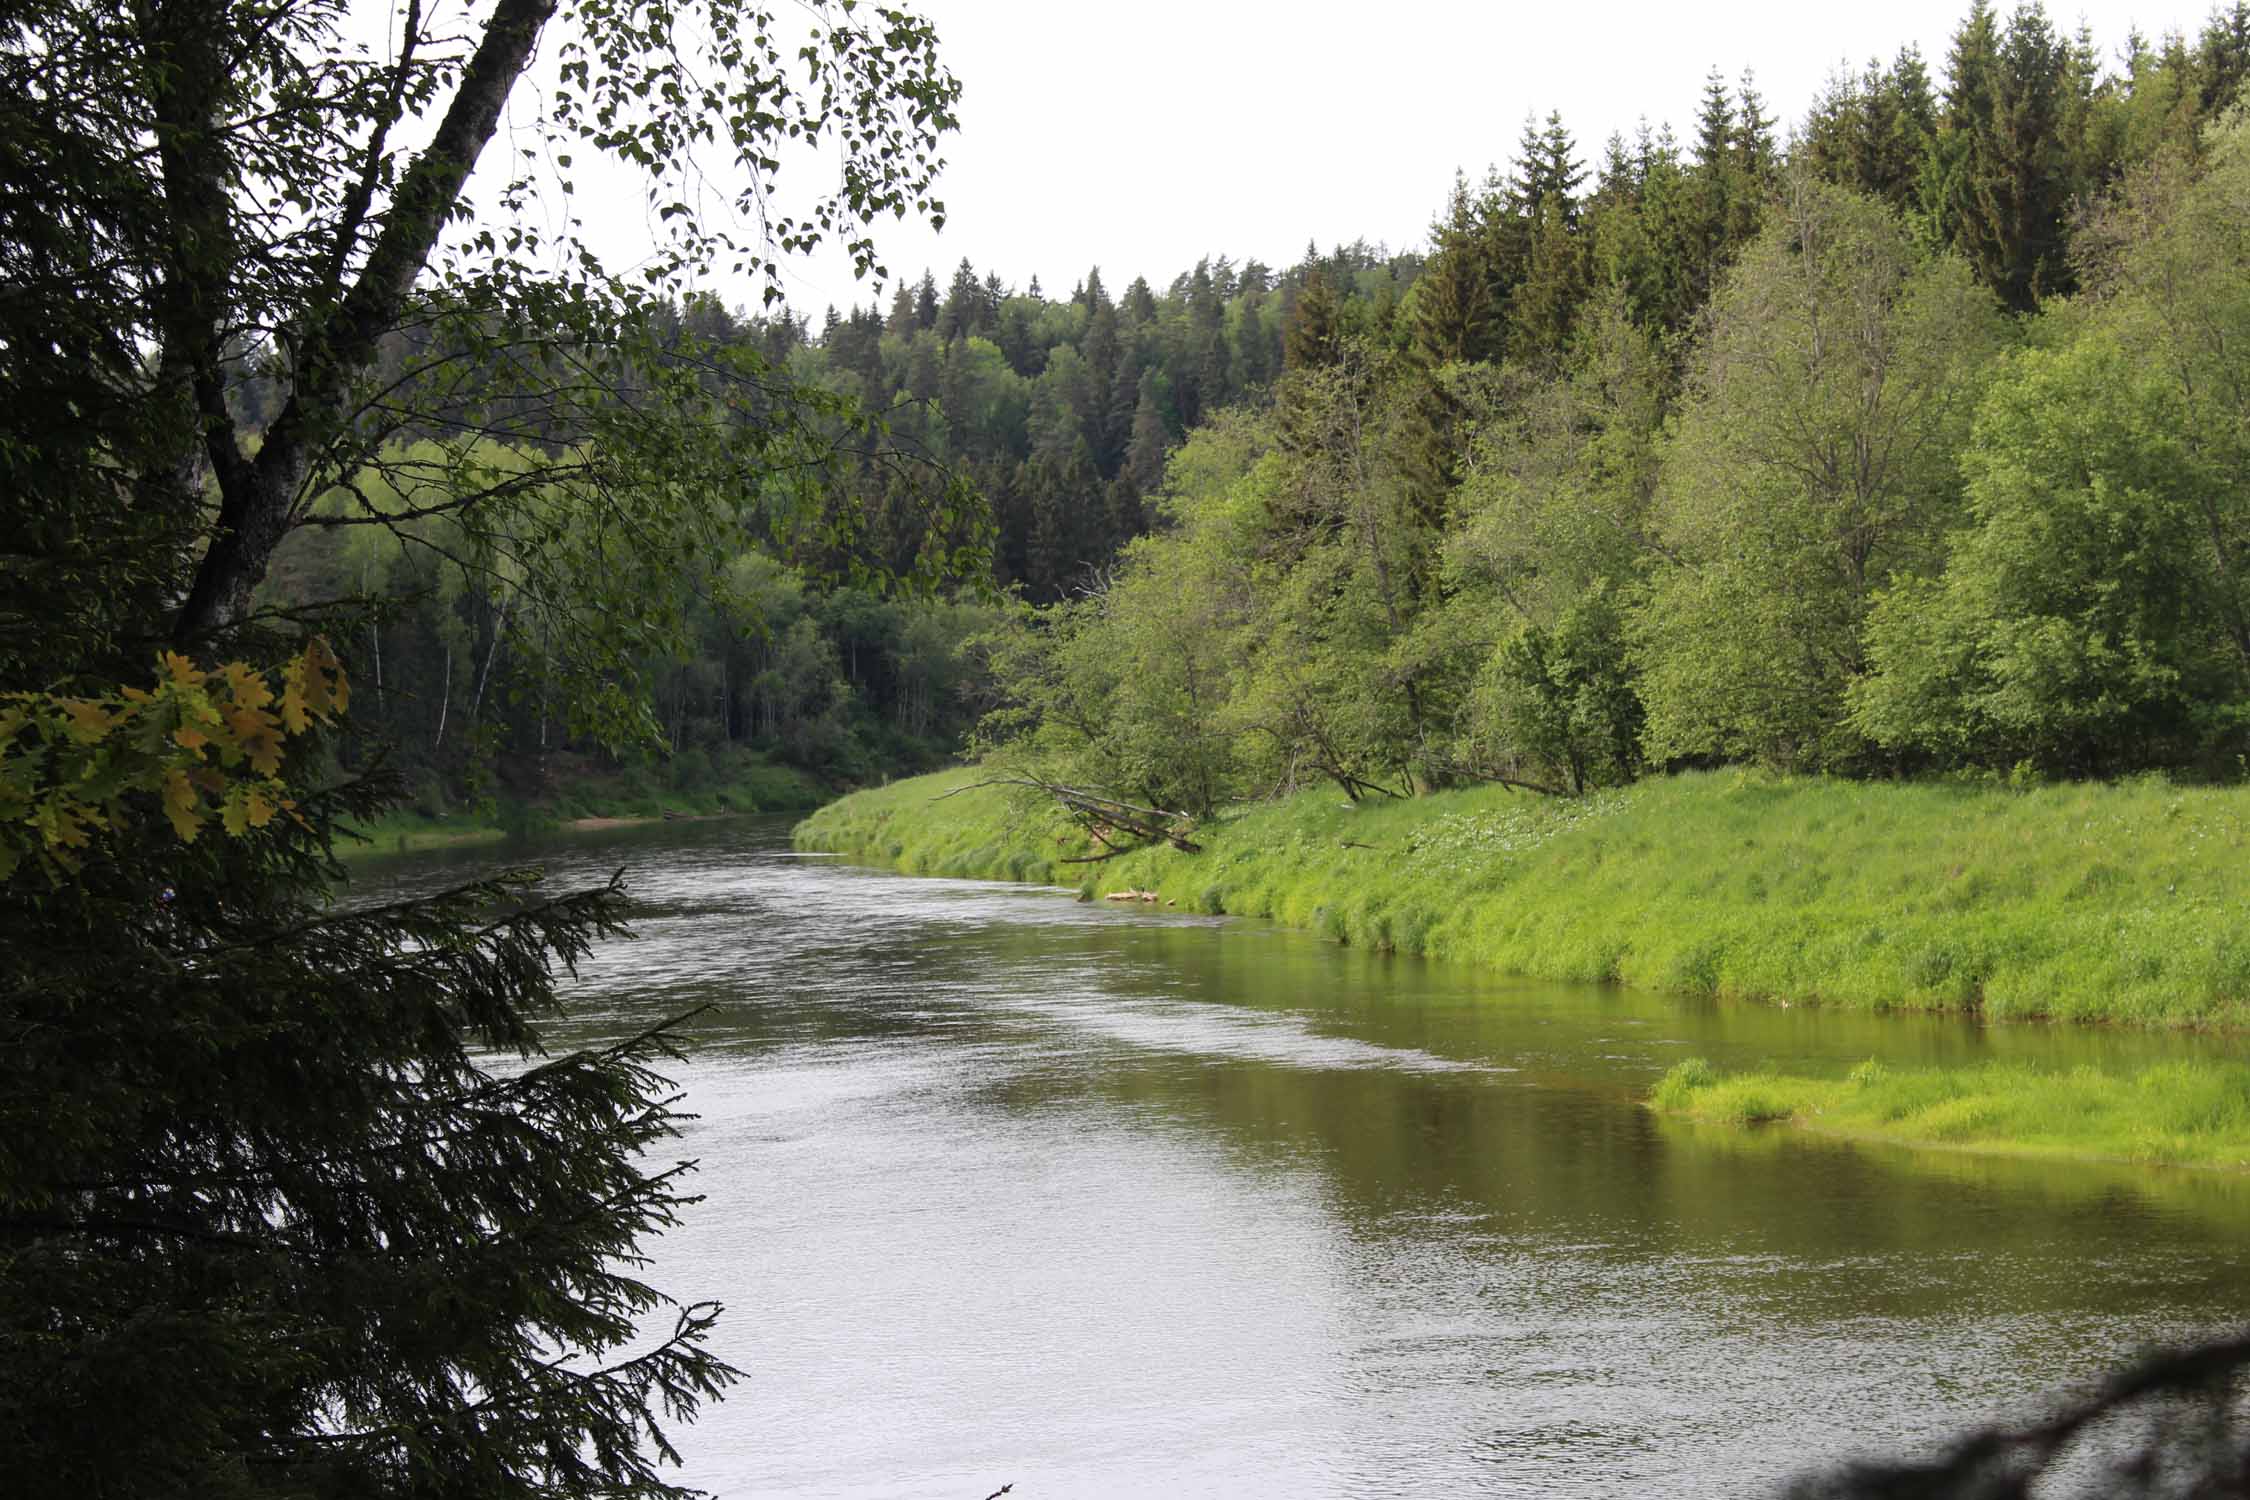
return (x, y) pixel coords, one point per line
(1111, 1201)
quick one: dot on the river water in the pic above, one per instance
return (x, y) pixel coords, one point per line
(1100, 1201)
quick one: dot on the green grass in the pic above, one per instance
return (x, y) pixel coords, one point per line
(2194, 1114)
(2117, 903)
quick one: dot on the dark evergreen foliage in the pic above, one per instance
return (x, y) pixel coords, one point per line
(295, 1204)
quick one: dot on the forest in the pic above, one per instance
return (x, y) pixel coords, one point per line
(1904, 440)
(342, 474)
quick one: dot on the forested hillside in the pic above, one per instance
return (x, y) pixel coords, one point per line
(1905, 437)
(1919, 446)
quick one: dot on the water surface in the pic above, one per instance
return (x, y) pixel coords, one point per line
(1111, 1201)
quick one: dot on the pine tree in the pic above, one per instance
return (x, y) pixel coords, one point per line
(1543, 308)
(2222, 59)
(1947, 191)
(1714, 125)
(1253, 342)
(1713, 206)
(901, 320)
(2013, 184)
(1144, 456)
(1560, 173)
(1139, 307)
(1453, 312)
(1106, 435)
(963, 312)
(1314, 326)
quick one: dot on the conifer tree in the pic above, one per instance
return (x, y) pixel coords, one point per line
(1106, 434)
(1715, 136)
(963, 312)
(1712, 211)
(901, 320)
(1144, 456)
(1451, 304)
(1560, 173)
(2016, 183)
(1253, 344)
(1542, 310)
(1138, 308)
(1948, 190)
(2222, 59)
(1315, 324)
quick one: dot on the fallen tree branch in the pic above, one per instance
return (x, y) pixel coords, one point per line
(1100, 815)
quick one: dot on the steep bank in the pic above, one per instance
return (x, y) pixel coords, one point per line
(2120, 903)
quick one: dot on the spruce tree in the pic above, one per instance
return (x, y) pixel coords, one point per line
(1138, 308)
(1545, 305)
(1560, 173)
(1948, 188)
(1212, 383)
(963, 311)
(1253, 343)
(1714, 125)
(1314, 325)
(2015, 184)
(1151, 439)
(901, 321)
(2222, 58)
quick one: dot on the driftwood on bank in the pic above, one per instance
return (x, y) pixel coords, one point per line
(1103, 818)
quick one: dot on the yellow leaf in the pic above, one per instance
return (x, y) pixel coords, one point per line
(66, 822)
(245, 686)
(190, 739)
(256, 808)
(182, 671)
(182, 805)
(233, 815)
(294, 716)
(87, 721)
(258, 737)
(313, 687)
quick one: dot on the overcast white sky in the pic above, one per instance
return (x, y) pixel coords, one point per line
(1145, 135)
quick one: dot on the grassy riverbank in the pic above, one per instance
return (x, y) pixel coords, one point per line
(2121, 903)
(2193, 1114)
(745, 784)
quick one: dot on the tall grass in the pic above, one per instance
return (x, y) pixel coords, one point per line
(2122, 902)
(2175, 1114)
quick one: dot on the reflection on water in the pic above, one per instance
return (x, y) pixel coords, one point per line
(1106, 1201)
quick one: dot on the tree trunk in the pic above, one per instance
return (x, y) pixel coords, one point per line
(258, 497)
(445, 702)
(476, 704)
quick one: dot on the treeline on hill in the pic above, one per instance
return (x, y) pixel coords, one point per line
(1921, 446)
(1912, 443)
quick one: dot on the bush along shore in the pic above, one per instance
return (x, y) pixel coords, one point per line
(2101, 903)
